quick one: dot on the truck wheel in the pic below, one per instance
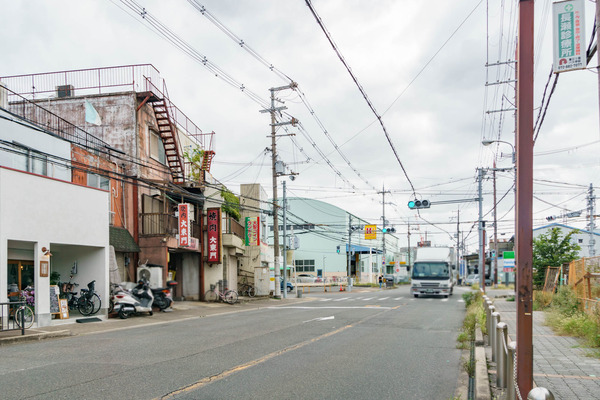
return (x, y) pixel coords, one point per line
(416, 295)
(445, 296)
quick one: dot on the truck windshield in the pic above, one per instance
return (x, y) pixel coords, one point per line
(433, 270)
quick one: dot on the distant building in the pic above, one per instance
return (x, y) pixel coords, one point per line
(585, 239)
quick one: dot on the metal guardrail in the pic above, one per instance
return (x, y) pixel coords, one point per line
(7, 321)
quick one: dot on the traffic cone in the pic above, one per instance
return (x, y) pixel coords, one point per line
(341, 288)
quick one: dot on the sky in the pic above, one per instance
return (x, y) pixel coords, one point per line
(422, 65)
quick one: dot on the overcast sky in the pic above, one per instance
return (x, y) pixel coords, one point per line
(422, 70)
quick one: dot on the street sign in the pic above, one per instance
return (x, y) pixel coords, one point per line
(370, 232)
(569, 35)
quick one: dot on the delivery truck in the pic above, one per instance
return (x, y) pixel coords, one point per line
(434, 272)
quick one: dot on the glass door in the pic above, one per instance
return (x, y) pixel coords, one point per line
(20, 275)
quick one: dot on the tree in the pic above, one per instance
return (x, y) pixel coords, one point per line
(552, 250)
(231, 205)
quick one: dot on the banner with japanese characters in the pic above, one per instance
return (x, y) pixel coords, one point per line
(253, 231)
(569, 35)
(370, 232)
(213, 228)
(184, 224)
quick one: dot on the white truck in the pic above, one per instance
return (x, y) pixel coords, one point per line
(434, 271)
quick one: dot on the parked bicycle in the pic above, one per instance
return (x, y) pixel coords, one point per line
(88, 303)
(247, 290)
(229, 296)
(22, 315)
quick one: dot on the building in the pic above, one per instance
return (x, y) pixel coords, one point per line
(161, 161)
(48, 223)
(328, 237)
(588, 241)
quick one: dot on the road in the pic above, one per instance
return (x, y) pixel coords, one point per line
(380, 344)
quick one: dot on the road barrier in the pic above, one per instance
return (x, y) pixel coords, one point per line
(504, 355)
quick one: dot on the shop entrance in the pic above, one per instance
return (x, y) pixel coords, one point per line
(20, 274)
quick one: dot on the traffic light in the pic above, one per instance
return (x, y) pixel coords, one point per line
(389, 230)
(419, 204)
(338, 249)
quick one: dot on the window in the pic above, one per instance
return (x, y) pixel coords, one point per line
(98, 181)
(27, 159)
(580, 240)
(157, 149)
(305, 265)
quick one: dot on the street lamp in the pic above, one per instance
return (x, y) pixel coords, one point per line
(487, 142)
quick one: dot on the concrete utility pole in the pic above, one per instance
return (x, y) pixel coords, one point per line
(273, 110)
(495, 269)
(349, 252)
(284, 245)
(480, 173)
(524, 201)
(458, 243)
(383, 231)
(592, 225)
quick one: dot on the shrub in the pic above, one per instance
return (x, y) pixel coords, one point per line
(541, 299)
(565, 301)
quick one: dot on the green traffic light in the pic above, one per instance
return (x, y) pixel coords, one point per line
(411, 204)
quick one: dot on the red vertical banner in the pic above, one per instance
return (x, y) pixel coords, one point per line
(184, 225)
(213, 228)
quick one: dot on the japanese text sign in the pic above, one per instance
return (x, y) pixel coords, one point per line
(252, 231)
(184, 224)
(569, 35)
(213, 227)
(370, 231)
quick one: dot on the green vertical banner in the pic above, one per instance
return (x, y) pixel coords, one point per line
(569, 35)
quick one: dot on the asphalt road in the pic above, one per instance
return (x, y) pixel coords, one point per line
(380, 344)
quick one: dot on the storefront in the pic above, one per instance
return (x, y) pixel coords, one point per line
(49, 227)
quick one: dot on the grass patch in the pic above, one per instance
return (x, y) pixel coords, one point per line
(565, 318)
(475, 317)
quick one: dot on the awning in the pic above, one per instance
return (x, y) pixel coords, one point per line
(122, 241)
(363, 249)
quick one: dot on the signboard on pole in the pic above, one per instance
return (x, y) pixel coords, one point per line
(508, 258)
(184, 224)
(370, 232)
(253, 231)
(213, 228)
(569, 35)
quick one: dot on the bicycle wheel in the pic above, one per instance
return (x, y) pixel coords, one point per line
(85, 306)
(251, 291)
(97, 303)
(27, 316)
(231, 296)
(211, 295)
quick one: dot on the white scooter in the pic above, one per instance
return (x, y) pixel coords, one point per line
(139, 300)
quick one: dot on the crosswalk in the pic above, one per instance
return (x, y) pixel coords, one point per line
(363, 299)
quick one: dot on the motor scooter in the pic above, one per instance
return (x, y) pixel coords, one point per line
(139, 300)
(162, 298)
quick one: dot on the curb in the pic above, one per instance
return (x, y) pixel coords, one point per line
(34, 336)
(482, 381)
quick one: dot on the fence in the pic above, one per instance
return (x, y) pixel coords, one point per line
(584, 278)
(7, 321)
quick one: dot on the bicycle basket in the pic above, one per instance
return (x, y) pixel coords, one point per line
(92, 286)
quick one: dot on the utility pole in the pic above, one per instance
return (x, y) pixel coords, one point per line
(349, 252)
(592, 225)
(480, 174)
(383, 231)
(495, 269)
(458, 243)
(273, 110)
(284, 245)
(524, 200)
(408, 237)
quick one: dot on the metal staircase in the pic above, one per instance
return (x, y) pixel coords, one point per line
(168, 134)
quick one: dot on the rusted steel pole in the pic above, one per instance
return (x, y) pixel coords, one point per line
(524, 203)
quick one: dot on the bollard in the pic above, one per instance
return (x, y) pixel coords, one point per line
(511, 394)
(488, 325)
(501, 337)
(492, 334)
(540, 393)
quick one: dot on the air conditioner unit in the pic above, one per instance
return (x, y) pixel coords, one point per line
(153, 274)
(65, 91)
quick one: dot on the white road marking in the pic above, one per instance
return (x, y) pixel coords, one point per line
(367, 307)
(367, 298)
(320, 319)
(326, 299)
(398, 298)
(383, 298)
(343, 298)
(444, 299)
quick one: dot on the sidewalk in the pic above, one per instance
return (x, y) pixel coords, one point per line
(559, 362)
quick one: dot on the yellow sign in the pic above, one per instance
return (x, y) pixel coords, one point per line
(370, 232)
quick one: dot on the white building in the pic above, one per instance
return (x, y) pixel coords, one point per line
(583, 237)
(40, 208)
